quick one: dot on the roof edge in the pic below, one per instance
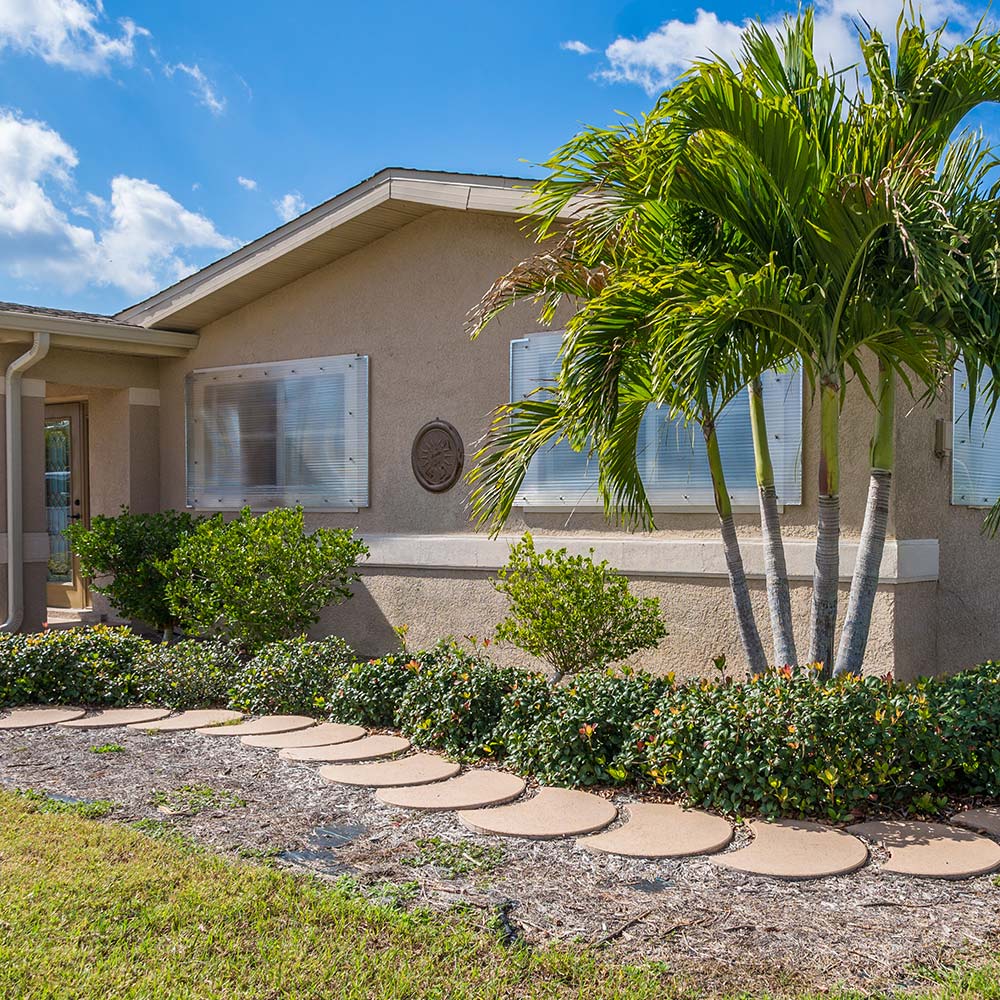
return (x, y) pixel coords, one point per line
(441, 189)
(98, 335)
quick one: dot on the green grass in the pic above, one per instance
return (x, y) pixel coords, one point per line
(456, 857)
(193, 799)
(108, 748)
(40, 802)
(96, 910)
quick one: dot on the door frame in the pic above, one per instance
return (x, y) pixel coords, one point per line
(75, 594)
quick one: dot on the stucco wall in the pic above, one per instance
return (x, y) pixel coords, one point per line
(403, 301)
(964, 605)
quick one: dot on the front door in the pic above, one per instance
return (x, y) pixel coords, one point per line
(65, 499)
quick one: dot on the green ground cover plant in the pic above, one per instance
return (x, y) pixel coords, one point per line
(783, 742)
(294, 676)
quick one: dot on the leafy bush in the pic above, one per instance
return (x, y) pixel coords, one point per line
(582, 733)
(786, 742)
(259, 579)
(370, 693)
(187, 674)
(572, 612)
(455, 702)
(294, 676)
(71, 666)
(121, 557)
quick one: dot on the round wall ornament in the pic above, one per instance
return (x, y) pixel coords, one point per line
(437, 456)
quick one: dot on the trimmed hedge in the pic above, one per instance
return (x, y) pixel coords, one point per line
(293, 677)
(781, 743)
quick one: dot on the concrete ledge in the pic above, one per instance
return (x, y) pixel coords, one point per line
(36, 547)
(913, 560)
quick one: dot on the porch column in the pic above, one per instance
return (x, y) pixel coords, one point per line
(124, 457)
(36, 539)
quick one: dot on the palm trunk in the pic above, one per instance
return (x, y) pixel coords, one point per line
(775, 572)
(747, 624)
(851, 653)
(827, 572)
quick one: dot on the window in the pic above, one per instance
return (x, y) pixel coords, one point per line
(975, 463)
(671, 456)
(271, 435)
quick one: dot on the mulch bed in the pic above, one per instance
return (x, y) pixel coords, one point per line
(869, 930)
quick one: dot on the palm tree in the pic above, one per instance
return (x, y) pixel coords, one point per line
(764, 213)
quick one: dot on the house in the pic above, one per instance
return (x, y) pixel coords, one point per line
(327, 363)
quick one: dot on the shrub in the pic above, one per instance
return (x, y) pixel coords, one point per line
(91, 666)
(786, 742)
(454, 703)
(259, 579)
(294, 676)
(370, 693)
(582, 733)
(187, 674)
(572, 612)
(121, 557)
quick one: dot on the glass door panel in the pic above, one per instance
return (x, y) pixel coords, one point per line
(65, 500)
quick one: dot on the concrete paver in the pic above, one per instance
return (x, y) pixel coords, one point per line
(552, 813)
(931, 850)
(265, 726)
(796, 849)
(110, 717)
(30, 716)
(654, 830)
(474, 789)
(193, 719)
(323, 735)
(403, 772)
(368, 748)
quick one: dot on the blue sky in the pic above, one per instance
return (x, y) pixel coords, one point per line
(141, 140)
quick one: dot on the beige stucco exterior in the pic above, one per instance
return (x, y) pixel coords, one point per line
(401, 300)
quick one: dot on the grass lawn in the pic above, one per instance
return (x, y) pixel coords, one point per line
(98, 910)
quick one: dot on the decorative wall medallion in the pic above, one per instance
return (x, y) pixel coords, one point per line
(437, 456)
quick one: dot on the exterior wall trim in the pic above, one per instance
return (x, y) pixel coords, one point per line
(912, 560)
(143, 397)
(36, 547)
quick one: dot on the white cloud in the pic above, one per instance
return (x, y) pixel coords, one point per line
(247, 182)
(137, 240)
(203, 89)
(68, 33)
(289, 206)
(574, 45)
(655, 61)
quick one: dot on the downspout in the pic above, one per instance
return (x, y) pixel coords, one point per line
(15, 491)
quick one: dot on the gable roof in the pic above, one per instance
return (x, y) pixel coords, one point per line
(386, 201)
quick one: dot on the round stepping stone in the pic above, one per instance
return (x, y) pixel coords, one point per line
(323, 735)
(474, 789)
(985, 820)
(552, 813)
(662, 831)
(420, 769)
(27, 718)
(193, 719)
(117, 717)
(932, 850)
(265, 726)
(796, 849)
(369, 748)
